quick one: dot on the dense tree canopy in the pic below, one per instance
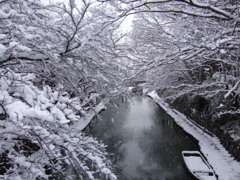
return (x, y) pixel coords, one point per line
(58, 62)
(41, 135)
(188, 50)
(187, 46)
(76, 46)
(62, 60)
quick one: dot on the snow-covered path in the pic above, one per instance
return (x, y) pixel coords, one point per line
(222, 162)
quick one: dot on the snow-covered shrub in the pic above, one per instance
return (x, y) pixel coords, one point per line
(40, 136)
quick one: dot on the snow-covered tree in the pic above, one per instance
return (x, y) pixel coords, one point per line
(187, 45)
(57, 64)
(189, 51)
(74, 45)
(40, 134)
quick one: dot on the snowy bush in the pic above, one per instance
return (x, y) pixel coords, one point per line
(39, 135)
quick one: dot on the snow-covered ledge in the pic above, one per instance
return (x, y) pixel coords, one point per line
(88, 117)
(222, 162)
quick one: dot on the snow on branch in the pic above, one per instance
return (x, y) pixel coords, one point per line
(189, 7)
(180, 11)
(235, 87)
(213, 9)
(39, 136)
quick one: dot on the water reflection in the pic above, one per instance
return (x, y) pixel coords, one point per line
(145, 141)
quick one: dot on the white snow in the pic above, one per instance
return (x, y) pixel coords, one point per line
(222, 162)
(23, 48)
(3, 14)
(222, 51)
(18, 46)
(223, 40)
(12, 12)
(233, 89)
(221, 105)
(1, 110)
(22, 161)
(83, 122)
(2, 49)
(196, 163)
(13, 44)
(42, 115)
(29, 36)
(3, 36)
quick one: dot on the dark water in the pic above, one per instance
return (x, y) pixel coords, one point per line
(145, 142)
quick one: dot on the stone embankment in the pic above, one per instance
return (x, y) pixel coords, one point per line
(207, 113)
(223, 163)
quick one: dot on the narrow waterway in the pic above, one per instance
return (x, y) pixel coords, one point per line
(144, 141)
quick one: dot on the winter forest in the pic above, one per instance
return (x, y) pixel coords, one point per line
(61, 63)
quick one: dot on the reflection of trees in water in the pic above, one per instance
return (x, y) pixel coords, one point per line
(107, 127)
(163, 144)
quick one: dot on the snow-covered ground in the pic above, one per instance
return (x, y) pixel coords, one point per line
(222, 162)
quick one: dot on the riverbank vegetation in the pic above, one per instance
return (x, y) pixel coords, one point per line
(62, 60)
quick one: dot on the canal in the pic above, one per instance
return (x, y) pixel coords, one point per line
(144, 141)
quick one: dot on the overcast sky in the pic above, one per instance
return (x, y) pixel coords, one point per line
(126, 26)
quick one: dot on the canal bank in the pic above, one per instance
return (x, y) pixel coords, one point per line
(223, 163)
